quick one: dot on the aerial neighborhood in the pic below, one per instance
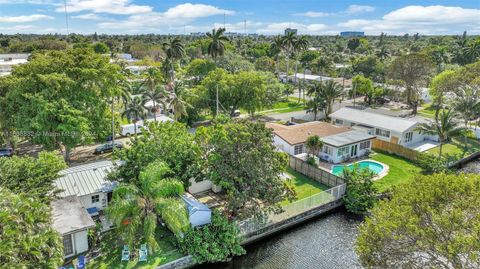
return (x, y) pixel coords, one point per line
(150, 143)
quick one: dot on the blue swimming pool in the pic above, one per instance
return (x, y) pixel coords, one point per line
(376, 167)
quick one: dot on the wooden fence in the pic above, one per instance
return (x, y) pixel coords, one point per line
(315, 173)
(395, 149)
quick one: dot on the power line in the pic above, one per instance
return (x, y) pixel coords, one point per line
(66, 16)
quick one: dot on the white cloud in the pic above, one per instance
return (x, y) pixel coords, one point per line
(279, 28)
(313, 14)
(174, 17)
(355, 9)
(192, 11)
(120, 7)
(26, 18)
(421, 19)
(90, 16)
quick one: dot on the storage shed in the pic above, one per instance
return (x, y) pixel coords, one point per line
(198, 214)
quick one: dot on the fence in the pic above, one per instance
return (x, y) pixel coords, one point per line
(395, 149)
(315, 173)
(293, 209)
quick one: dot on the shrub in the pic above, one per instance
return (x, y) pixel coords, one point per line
(175, 216)
(360, 194)
(311, 161)
(215, 242)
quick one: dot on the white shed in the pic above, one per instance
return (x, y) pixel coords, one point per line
(198, 214)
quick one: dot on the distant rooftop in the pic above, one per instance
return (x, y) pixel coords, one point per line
(374, 119)
(69, 215)
(85, 179)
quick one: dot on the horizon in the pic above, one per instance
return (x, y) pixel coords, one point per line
(142, 17)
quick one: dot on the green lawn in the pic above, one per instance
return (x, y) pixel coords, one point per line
(457, 147)
(111, 252)
(303, 185)
(427, 111)
(401, 170)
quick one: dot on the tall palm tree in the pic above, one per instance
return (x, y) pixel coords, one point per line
(174, 50)
(315, 105)
(152, 81)
(301, 44)
(383, 53)
(135, 206)
(136, 110)
(445, 127)
(156, 96)
(323, 65)
(289, 41)
(177, 102)
(216, 47)
(465, 103)
(330, 91)
(275, 50)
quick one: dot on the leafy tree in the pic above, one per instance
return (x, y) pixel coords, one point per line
(265, 63)
(431, 222)
(234, 63)
(28, 240)
(100, 48)
(32, 176)
(136, 111)
(199, 69)
(369, 66)
(243, 161)
(364, 86)
(353, 44)
(214, 242)
(360, 194)
(216, 46)
(170, 142)
(445, 127)
(415, 71)
(135, 206)
(62, 98)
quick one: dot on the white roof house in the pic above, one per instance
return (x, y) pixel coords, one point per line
(89, 183)
(10, 60)
(306, 77)
(198, 213)
(71, 220)
(391, 129)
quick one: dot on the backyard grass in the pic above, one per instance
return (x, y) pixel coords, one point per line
(401, 170)
(428, 111)
(111, 251)
(303, 185)
(457, 147)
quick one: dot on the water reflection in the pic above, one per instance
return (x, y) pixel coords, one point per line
(327, 242)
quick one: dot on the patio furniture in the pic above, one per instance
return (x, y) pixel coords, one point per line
(125, 253)
(81, 262)
(143, 253)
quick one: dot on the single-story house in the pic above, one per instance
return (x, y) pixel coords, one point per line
(71, 221)
(387, 128)
(89, 183)
(198, 213)
(303, 77)
(340, 142)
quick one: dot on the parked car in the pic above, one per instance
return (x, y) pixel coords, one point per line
(108, 147)
(7, 152)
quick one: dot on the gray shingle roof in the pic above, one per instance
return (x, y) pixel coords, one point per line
(85, 179)
(374, 119)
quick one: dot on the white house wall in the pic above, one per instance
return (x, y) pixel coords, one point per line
(81, 241)
(196, 187)
(87, 200)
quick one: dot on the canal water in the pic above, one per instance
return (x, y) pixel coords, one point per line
(324, 243)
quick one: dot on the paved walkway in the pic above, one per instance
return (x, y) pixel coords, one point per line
(423, 145)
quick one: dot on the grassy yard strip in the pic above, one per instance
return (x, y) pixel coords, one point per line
(427, 111)
(457, 147)
(401, 170)
(111, 251)
(303, 185)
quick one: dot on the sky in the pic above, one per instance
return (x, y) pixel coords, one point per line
(315, 17)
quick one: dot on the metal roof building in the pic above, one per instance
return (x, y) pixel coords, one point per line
(85, 179)
(198, 213)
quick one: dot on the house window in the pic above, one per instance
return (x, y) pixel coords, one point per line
(95, 198)
(408, 137)
(327, 150)
(342, 151)
(365, 145)
(67, 245)
(298, 149)
(339, 122)
(382, 132)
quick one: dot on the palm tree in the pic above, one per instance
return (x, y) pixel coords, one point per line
(289, 41)
(135, 206)
(174, 50)
(177, 102)
(466, 102)
(315, 105)
(314, 144)
(330, 91)
(323, 65)
(153, 93)
(157, 96)
(445, 127)
(276, 49)
(383, 53)
(135, 110)
(216, 47)
(301, 44)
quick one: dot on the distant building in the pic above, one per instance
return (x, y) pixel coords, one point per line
(10, 60)
(290, 30)
(352, 34)
(197, 34)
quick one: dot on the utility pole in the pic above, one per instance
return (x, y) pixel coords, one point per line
(113, 125)
(66, 16)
